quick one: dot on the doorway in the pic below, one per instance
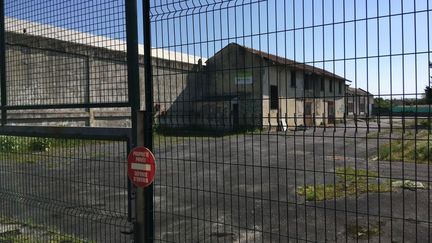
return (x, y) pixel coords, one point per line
(235, 116)
(331, 112)
(308, 114)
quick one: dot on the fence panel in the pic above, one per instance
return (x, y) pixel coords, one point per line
(64, 72)
(268, 123)
(63, 190)
(65, 53)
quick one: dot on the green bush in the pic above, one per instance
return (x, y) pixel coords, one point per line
(10, 144)
(40, 144)
(21, 144)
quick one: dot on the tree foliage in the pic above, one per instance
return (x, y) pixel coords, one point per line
(428, 94)
(382, 103)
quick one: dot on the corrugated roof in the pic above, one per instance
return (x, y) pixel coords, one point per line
(77, 37)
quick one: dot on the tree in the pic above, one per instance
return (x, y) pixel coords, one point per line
(382, 103)
(428, 94)
(382, 106)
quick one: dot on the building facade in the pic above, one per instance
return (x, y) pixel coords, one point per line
(237, 88)
(359, 103)
(48, 65)
(247, 88)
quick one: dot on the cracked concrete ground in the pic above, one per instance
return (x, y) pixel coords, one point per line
(243, 189)
(239, 188)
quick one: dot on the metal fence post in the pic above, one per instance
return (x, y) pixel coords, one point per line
(3, 99)
(148, 123)
(135, 195)
(141, 121)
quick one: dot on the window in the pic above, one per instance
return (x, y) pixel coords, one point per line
(293, 79)
(350, 107)
(322, 84)
(274, 98)
(362, 104)
(308, 82)
(331, 86)
(340, 87)
(308, 109)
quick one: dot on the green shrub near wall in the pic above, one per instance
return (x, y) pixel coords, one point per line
(17, 144)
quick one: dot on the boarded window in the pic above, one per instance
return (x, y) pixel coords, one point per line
(308, 109)
(308, 82)
(362, 104)
(293, 79)
(350, 107)
(274, 98)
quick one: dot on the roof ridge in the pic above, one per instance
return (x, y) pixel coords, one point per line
(17, 25)
(290, 62)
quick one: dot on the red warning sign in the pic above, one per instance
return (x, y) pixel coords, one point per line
(141, 167)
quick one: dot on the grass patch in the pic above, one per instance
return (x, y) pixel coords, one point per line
(173, 135)
(384, 133)
(33, 233)
(19, 157)
(160, 138)
(37, 144)
(199, 131)
(363, 232)
(415, 148)
(32, 149)
(186, 132)
(349, 182)
(19, 144)
(420, 123)
(5, 220)
(372, 135)
(50, 237)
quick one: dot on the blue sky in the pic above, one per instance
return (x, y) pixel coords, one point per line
(380, 45)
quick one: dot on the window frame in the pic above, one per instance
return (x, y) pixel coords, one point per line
(350, 107)
(274, 101)
(293, 79)
(362, 105)
(308, 82)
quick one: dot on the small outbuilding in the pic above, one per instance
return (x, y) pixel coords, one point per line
(359, 103)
